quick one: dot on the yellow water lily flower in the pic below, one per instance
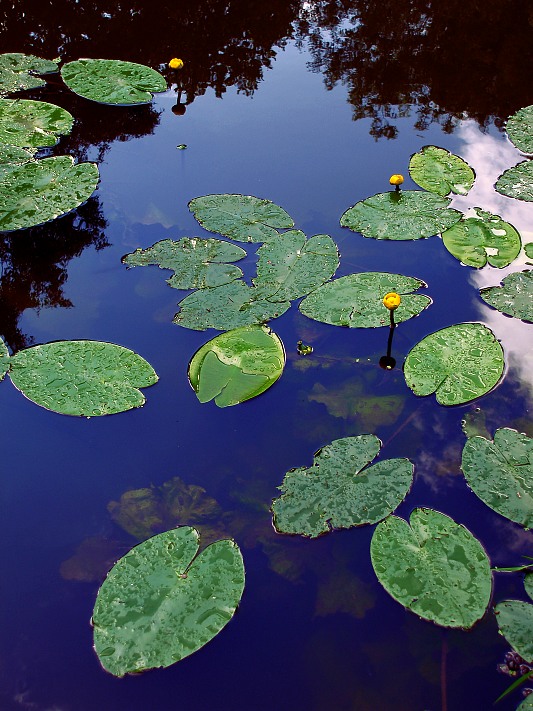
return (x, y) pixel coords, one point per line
(396, 179)
(392, 300)
(175, 63)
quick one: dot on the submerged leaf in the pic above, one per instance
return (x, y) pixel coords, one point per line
(520, 129)
(32, 124)
(517, 182)
(434, 567)
(515, 620)
(441, 172)
(85, 378)
(162, 601)
(237, 365)
(514, 297)
(18, 71)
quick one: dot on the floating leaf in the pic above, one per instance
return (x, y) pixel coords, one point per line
(42, 190)
(441, 172)
(401, 215)
(458, 363)
(520, 129)
(82, 377)
(32, 124)
(17, 72)
(162, 601)
(500, 473)
(12, 157)
(527, 704)
(237, 365)
(528, 249)
(514, 297)
(356, 300)
(241, 217)
(197, 263)
(112, 81)
(517, 182)
(227, 307)
(4, 360)
(292, 265)
(515, 620)
(340, 490)
(434, 567)
(485, 238)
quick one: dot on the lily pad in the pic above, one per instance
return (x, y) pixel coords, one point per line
(32, 124)
(356, 300)
(340, 490)
(237, 365)
(441, 172)
(527, 704)
(112, 81)
(401, 215)
(197, 263)
(162, 601)
(528, 249)
(41, 190)
(18, 71)
(292, 265)
(241, 217)
(514, 297)
(85, 378)
(520, 129)
(434, 567)
(500, 473)
(458, 363)
(515, 620)
(12, 157)
(485, 238)
(227, 307)
(4, 359)
(517, 182)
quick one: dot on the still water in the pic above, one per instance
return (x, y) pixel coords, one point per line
(312, 105)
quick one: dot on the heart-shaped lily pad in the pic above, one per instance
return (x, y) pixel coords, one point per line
(520, 129)
(515, 620)
(18, 71)
(82, 377)
(237, 365)
(12, 157)
(458, 363)
(401, 215)
(356, 300)
(514, 297)
(112, 81)
(162, 601)
(32, 124)
(517, 182)
(434, 567)
(340, 490)
(441, 172)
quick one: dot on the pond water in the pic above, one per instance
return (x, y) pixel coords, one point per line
(312, 105)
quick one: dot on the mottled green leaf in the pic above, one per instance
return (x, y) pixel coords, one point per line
(528, 249)
(197, 263)
(520, 129)
(515, 620)
(227, 307)
(434, 567)
(485, 238)
(458, 363)
(237, 365)
(500, 473)
(401, 215)
(85, 378)
(32, 124)
(12, 157)
(292, 265)
(517, 182)
(4, 359)
(162, 601)
(356, 300)
(42, 190)
(241, 217)
(18, 71)
(528, 584)
(112, 81)
(340, 490)
(527, 704)
(514, 297)
(441, 172)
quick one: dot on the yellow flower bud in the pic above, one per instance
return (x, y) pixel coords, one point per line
(175, 63)
(392, 300)
(396, 179)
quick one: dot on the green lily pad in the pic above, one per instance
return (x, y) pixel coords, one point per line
(340, 490)
(527, 704)
(520, 129)
(237, 365)
(517, 182)
(441, 172)
(515, 620)
(41, 190)
(227, 307)
(528, 249)
(514, 297)
(485, 238)
(162, 601)
(292, 265)
(5, 360)
(434, 567)
(356, 300)
(458, 363)
(32, 124)
(197, 263)
(12, 157)
(401, 215)
(112, 81)
(18, 71)
(500, 473)
(241, 217)
(85, 378)
(528, 584)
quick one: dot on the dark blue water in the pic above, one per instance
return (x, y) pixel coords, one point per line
(314, 629)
